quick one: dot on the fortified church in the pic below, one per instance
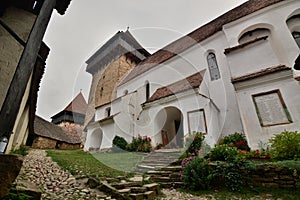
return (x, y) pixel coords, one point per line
(237, 73)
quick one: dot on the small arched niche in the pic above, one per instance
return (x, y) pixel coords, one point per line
(254, 34)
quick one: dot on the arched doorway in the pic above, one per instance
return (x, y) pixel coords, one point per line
(170, 119)
(96, 139)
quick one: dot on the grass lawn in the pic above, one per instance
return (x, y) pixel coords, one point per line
(111, 165)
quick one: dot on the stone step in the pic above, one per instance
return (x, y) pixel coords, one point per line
(174, 185)
(161, 161)
(160, 179)
(126, 185)
(160, 173)
(172, 168)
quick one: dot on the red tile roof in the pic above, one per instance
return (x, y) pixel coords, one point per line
(260, 73)
(78, 105)
(197, 36)
(190, 82)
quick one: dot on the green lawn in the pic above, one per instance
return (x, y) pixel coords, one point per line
(98, 164)
(120, 161)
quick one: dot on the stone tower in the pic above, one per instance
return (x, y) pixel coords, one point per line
(108, 66)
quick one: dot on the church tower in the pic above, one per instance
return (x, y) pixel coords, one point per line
(108, 66)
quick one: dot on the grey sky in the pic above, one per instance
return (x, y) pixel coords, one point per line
(88, 24)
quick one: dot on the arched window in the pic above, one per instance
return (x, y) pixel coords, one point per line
(147, 90)
(293, 24)
(296, 36)
(213, 67)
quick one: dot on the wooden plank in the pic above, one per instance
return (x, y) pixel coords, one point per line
(11, 106)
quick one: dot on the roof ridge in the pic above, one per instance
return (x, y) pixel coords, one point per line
(203, 32)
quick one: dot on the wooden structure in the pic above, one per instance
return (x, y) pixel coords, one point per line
(22, 61)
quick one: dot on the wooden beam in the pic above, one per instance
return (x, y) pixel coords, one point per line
(11, 105)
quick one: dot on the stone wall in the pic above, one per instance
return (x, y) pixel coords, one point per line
(44, 143)
(67, 146)
(268, 175)
(106, 87)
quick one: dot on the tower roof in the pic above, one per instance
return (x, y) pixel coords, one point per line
(77, 105)
(122, 43)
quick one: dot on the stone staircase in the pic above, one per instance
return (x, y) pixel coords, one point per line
(158, 159)
(125, 190)
(167, 177)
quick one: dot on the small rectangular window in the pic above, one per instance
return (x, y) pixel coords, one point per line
(271, 109)
(197, 121)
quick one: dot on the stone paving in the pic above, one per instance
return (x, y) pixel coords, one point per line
(54, 182)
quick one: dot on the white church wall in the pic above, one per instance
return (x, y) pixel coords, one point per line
(281, 42)
(290, 91)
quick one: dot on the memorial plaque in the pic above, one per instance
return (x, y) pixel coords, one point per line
(271, 109)
(197, 121)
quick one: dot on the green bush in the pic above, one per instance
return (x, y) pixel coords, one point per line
(141, 144)
(231, 175)
(285, 146)
(223, 153)
(196, 173)
(194, 143)
(119, 142)
(237, 139)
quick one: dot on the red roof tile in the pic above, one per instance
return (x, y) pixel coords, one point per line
(190, 82)
(197, 36)
(260, 73)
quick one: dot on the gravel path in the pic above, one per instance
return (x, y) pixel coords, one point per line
(54, 182)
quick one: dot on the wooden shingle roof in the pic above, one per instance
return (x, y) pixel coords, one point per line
(49, 130)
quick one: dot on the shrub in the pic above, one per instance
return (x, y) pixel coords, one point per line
(237, 139)
(223, 153)
(119, 142)
(194, 143)
(141, 144)
(232, 175)
(285, 146)
(195, 173)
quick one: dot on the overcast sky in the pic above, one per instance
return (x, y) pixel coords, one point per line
(88, 24)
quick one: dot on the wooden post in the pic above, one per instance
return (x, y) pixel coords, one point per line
(11, 105)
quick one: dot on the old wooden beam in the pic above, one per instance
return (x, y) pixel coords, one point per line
(11, 105)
